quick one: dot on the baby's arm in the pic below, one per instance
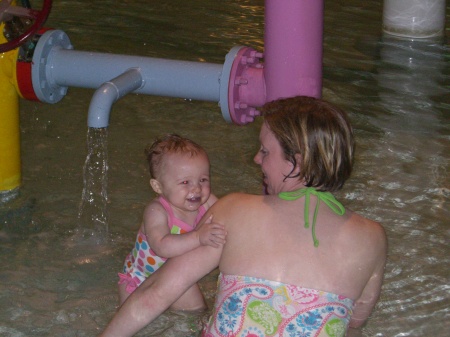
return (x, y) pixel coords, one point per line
(169, 245)
(210, 233)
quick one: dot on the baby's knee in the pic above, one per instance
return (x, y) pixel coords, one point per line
(192, 300)
(191, 307)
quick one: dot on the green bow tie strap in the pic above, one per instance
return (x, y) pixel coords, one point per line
(326, 197)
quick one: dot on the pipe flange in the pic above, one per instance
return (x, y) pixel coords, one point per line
(238, 64)
(46, 89)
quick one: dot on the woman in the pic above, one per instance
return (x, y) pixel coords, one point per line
(295, 261)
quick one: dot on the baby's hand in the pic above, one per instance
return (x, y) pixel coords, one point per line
(211, 233)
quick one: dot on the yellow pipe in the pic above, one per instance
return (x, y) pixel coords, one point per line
(10, 166)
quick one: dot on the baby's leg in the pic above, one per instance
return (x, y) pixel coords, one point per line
(191, 300)
(123, 294)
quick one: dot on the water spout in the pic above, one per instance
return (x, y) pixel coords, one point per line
(108, 93)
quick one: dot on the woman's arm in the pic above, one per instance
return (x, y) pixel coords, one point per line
(162, 289)
(369, 297)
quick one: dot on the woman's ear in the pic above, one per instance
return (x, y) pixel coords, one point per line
(156, 186)
(298, 159)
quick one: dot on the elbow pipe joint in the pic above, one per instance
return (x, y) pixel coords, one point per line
(108, 93)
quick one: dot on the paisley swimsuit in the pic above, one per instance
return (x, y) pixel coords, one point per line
(142, 261)
(253, 307)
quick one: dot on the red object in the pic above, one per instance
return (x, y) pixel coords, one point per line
(24, 81)
(23, 74)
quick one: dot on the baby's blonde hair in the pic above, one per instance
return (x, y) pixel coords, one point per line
(170, 143)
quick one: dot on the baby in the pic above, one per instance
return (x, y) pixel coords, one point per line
(179, 170)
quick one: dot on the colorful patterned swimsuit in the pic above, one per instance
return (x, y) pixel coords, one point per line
(142, 260)
(254, 307)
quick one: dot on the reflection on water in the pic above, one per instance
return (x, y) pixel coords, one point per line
(54, 283)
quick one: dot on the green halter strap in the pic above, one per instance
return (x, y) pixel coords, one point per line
(326, 197)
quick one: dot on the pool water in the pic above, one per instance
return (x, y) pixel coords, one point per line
(56, 280)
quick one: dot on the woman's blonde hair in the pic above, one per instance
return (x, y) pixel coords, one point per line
(319, 134)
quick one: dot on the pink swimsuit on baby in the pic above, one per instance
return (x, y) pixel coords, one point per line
(142, 260)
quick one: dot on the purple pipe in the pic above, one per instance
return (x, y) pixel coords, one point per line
(293, 48)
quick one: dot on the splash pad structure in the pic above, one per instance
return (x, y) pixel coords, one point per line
(240, 85)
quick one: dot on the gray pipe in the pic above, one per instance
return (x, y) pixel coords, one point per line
(108, 93)
(192, 80)
(57, 66)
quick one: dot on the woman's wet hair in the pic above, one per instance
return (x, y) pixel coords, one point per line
(169, 144)
(316, 136)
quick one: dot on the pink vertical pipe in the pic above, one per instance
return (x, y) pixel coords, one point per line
(293, 48)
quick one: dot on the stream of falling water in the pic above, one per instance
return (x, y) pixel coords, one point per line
(92, 213)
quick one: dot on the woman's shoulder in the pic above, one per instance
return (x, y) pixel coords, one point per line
(368, 231)
(239, 198)
(237, 202)
(365, 223)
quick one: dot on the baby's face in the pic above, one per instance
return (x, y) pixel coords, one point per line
(185, 180)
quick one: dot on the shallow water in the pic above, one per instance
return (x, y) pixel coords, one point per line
(55, 281)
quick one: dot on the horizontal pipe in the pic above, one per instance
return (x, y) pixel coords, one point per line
(56, 66)
(190, 80)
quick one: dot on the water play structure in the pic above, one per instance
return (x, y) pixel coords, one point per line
(293, 59)
(40, 64)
